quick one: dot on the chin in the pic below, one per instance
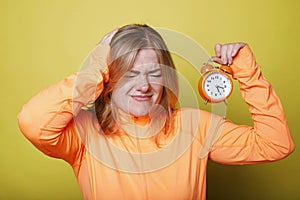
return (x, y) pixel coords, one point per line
(139, 112)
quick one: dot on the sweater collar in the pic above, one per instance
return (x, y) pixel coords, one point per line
(142, 127)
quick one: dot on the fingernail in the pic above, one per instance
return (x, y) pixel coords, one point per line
(229, 62)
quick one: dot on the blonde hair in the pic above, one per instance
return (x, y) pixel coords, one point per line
(125, 45)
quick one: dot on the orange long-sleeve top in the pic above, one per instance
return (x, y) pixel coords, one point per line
(123, 166)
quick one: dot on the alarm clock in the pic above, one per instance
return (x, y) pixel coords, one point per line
(215, 84)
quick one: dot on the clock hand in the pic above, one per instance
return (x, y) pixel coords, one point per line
(218, 88)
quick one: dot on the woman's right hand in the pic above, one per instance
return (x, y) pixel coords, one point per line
(107, 38)
(98, 58)
(96, 62)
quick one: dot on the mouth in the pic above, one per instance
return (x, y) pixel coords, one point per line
(141, 97)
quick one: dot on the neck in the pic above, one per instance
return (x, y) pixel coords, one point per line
(142, 126)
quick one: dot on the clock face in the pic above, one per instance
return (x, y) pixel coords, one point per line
(217, 86)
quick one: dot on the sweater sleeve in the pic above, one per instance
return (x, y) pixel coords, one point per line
(269, 139)
(47, 120)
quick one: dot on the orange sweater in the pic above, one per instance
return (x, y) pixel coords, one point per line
(122, 166)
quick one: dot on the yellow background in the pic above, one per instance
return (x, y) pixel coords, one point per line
(43, 41)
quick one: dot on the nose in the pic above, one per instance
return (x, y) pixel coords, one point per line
(143, 85)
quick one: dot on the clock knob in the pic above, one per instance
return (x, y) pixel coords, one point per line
(206, 68)
(226, 69)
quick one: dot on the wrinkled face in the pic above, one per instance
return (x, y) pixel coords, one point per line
(141, 87)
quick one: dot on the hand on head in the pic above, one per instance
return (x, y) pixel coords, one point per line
(107, 38)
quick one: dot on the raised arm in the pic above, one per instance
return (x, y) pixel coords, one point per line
(269, 139)
(47, 119)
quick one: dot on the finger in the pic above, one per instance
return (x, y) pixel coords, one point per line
(216, 59)
(236, 48)
(218, 50)
(111, 34)
(230, 48)
(224, 54)
(108, 37)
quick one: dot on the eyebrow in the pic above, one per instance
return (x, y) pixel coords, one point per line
(154, 70)
(150, 72)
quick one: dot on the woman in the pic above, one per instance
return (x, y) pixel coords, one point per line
(116, 124)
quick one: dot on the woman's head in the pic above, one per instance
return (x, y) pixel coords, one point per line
(141, 74)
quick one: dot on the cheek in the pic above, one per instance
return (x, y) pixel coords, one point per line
(123, 87)
(158, 88)
(121, 92)
(119, 98)
(156, 83)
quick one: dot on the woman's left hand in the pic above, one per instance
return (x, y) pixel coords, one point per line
(226, 52)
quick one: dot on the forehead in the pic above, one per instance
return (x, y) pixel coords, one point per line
(146, 58)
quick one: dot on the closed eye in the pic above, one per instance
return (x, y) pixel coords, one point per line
(155, 73)
(131, 74)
